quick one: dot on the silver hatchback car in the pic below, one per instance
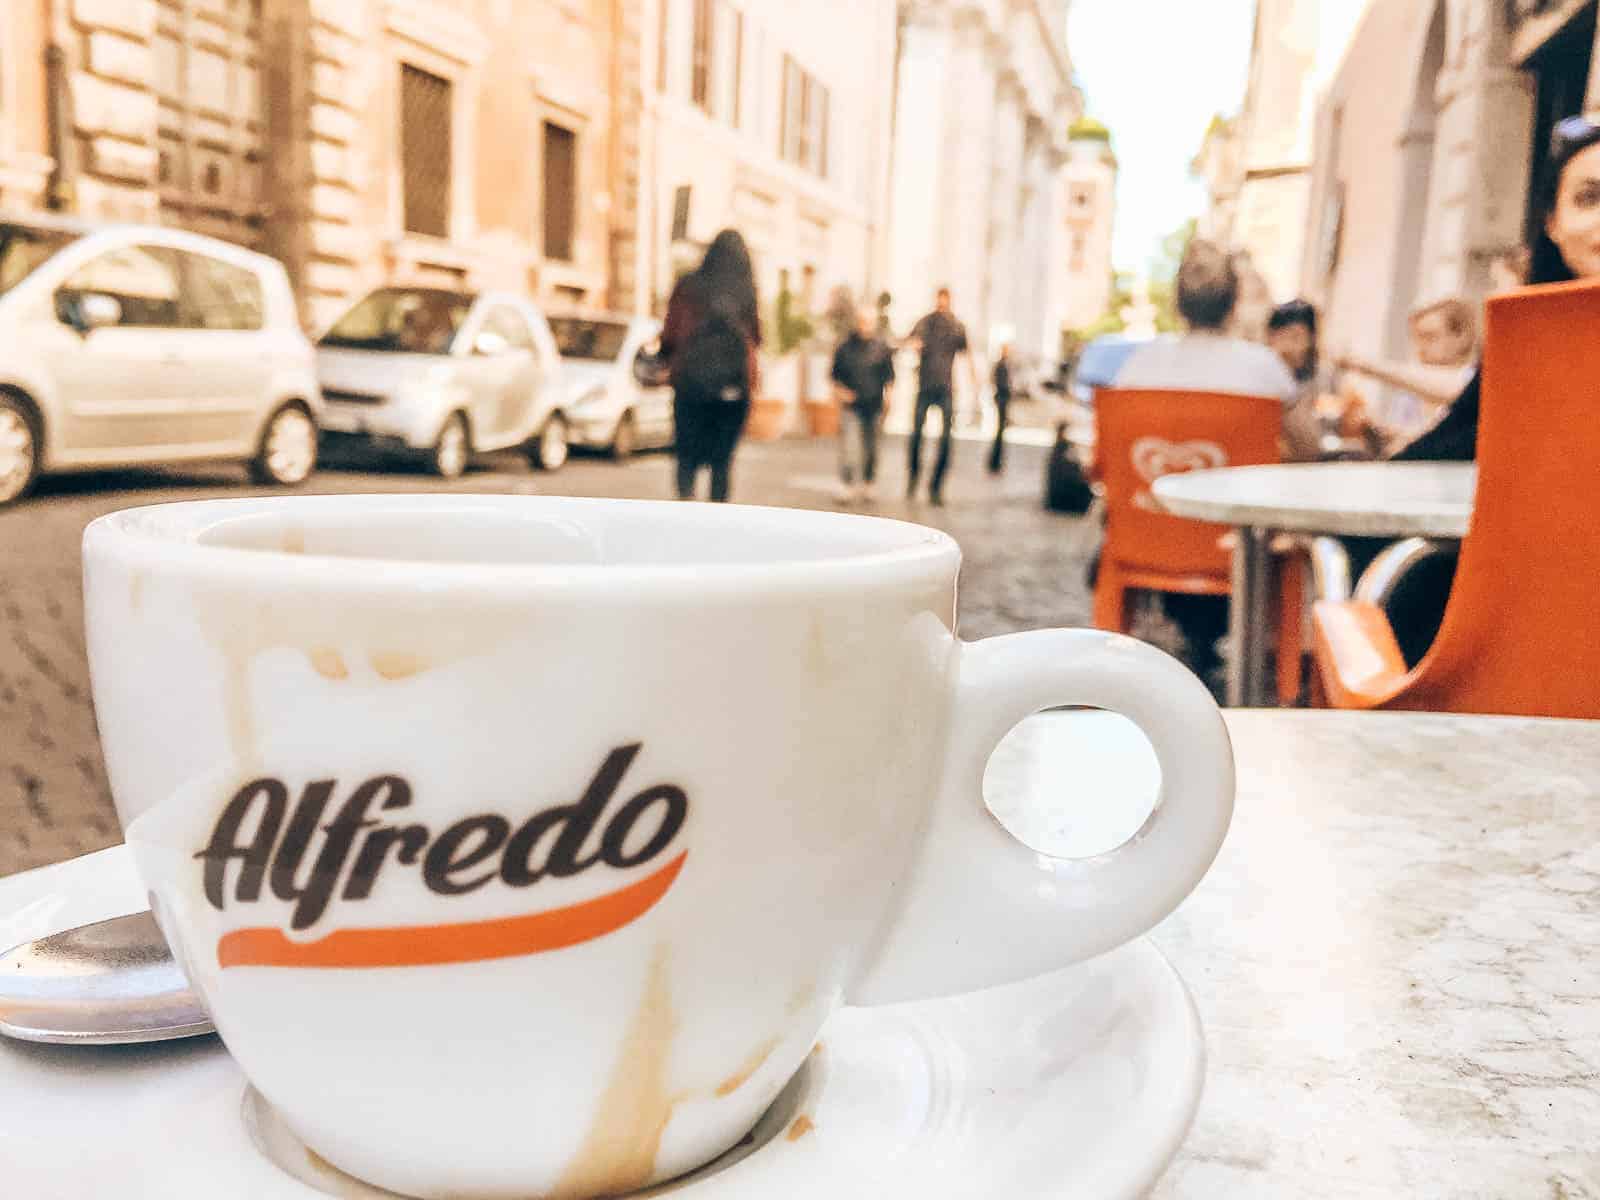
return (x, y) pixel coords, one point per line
(445, 375)
(125, 345)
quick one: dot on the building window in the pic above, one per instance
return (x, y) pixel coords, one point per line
(560, 191)
(425, 150)
(705, 16)
(1080, 249)
(804, 128)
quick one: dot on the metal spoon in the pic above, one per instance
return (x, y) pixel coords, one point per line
(106, 984)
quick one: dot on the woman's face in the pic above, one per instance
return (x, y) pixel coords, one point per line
(1574, 226)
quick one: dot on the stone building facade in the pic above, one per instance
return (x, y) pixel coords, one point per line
(984, 105)
(774, 118)
(485, 143)
(1257, 165)
(1429, 143)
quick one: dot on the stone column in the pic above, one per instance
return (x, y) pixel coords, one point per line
(1005, 257)
(1482, 156)
(922, 170)
(1033, 262)
(971, 161)
(111, 71)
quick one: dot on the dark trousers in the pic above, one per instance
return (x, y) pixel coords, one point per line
(858, 442)
(933, 397)
(1203, 621)
(705, 434)
(1416, 607)
(997, 455)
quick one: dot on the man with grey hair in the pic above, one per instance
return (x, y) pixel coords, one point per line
(1205, 358)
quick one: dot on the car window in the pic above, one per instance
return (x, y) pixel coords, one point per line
(509, 324)
(410, 320)
(24, 249)
(142, 279)
(220, 295)
(588, 338)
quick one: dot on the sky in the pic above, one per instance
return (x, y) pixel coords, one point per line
(1155, 71)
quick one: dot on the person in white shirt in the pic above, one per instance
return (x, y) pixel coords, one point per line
(1206, 359)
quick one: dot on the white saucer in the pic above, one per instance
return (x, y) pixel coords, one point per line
(1077, 1084)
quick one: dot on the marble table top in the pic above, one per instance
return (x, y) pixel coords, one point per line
(1354, 499)
(1392, 955)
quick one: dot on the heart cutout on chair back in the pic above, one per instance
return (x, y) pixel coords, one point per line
(1154, 457)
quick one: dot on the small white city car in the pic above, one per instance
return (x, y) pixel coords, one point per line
(125, 345)
(608, 407)
(445, 374)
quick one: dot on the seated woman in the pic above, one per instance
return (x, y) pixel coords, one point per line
(1444, 342)
(1567, 248)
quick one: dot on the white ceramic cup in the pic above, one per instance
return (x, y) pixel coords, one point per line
(522, 846)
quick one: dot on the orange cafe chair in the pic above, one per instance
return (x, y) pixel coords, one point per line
(1519, 635)
(1143, 435)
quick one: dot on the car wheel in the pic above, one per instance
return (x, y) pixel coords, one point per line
(451, 451)
(288, 452)
(626, 439)
(550, 448)
(20, 449)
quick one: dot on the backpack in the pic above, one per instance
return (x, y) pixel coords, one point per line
(1066, 488)
(714, 361)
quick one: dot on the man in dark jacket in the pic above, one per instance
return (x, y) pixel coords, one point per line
(863, 369)
(940, 339)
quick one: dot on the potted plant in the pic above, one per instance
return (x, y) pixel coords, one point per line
(782, 380)
(822, 406)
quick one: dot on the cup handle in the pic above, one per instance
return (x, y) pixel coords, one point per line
(978, 908)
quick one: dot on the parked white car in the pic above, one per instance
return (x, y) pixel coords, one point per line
(608, 408)
(445, 374)
(124, 345)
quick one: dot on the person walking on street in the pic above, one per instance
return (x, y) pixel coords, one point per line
(1002, 402)
(863, 369)
(940, 339)
(710, 339)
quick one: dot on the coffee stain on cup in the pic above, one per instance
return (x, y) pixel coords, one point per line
(398, 637)
(802, 1126)
(618, 1154)
(751, 1065)
(397, 664)
(328, 663)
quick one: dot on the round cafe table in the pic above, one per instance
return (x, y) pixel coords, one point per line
(1391, 955)
(1391, 958)
(1389, 500)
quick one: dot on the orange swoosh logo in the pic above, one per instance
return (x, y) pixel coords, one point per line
(472, 941)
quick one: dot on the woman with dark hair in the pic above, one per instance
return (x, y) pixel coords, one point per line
(1567, 247)
(709, 341)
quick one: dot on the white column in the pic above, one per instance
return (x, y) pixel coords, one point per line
(921, 172)
(967, 238)
(1006, 252)
(1032, 264)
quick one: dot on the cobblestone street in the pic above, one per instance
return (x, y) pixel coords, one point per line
(1023, 569)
